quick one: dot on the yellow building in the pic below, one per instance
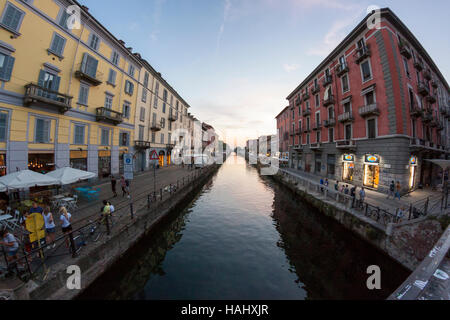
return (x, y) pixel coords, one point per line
(67, 95)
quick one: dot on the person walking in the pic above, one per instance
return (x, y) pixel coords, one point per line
(50, 227)
(11, 244)
(113, 185)
(66, 222)
(336, 186)
(127, 188)
(362, 195)
(346, 190)
(326, 182)
(391, 190)
(353, 195)
(398, 189)
(123, 185)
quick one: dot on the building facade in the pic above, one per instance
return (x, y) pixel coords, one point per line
(372, 112)
(285, 134)
(76, 96)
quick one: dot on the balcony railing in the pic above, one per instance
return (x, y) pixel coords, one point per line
(345, 117)
(173, 117)
(306, 129)
(434, 123)
(330, 100)
(440, 126)
(315, 89)
(306, 96)
(47, 98)
(298, 101)
(427, 74)
(298, 131)
(346, 144)
(434, 84)
(317, 126)
(369, 110)
(341, 69)
(417, 143)
(427, 117)
(329, 123)
(423, 89)
(155, 126)
(170, 146)
(415, 111)
(362, 53)
(292, 133)
(328, 79)
(307, 112)
(94, 78)
(431, 98)
(418, 65)
(315, 146)
(404, 50)
(139, 144)
(108, 115)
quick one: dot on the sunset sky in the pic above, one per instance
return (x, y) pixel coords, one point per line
(236, 61)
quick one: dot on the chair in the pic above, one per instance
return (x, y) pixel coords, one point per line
(72, 205)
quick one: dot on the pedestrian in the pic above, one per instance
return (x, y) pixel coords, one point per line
(362, 195)
(11, 244)
(326, 182)
(105, 208)
(400, 214)
(50, 227)
(353, 195)
(113, 185)
(66, 222)
(336, 186)
(123, 185)
(342, 188)
(127, 188)
(346, 190)
(111, 208)
(36, 208)
(398, 189)
(391, 190)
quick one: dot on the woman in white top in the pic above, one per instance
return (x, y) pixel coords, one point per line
(50, 227)
(66, 219)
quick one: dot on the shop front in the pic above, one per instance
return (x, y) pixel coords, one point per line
(78, 159)
(2, 165)
(41, 162)
(371, 171)
(308, 162)
(104, 163)
(348, 167)
(412, 172)
(162, 154)
(318, 162)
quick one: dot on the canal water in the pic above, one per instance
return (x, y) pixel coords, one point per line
(246, 237)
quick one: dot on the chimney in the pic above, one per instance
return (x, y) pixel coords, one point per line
(85, 8)
(122, 42)
(130, 49)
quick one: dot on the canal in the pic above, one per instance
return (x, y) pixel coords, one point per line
(246, 237)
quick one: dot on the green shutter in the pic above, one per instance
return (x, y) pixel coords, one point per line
(84, 63)
(3, 126)
(12, 17)
(6, 70)
(39, 130)
(55, 83)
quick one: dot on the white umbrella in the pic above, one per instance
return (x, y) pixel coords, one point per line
(3, 188)
(26, 179)
(69, 175)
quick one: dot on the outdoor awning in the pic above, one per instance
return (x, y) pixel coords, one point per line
(3, 188)
(325, 95)
(419, 101)
(444, 164)
(26, 179)
(69, 175)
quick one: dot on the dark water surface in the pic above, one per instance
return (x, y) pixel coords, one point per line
(246, 237)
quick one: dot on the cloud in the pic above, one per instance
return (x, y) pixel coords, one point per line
(154, 35)
(328, 4)
(226, 14)
(290, 67)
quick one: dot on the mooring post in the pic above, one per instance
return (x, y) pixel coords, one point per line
(131, 210)
(72, 245)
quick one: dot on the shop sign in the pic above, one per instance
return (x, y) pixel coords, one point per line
(413, 161)
(128, 166)
(372, 159)
(349, 158)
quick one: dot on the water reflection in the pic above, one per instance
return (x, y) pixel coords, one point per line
(244, 237)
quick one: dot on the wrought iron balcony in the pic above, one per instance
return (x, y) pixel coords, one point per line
(434, 123)
(417, 144)
(427, 74)
(306, 130)
(298, 101)
(108, 115)
(315, 146)
(362, 53)
(315, 89)
(345, 117)
(139, 144)
(94, 78)
(431, 98)
(346, 145)
(173, 117)
(427, 117)
(329, 123)
(317, 126)
(341, 69)
(292, 133)
(329, 101)
(415, 111)
(328, 79)
(155, 126)
(35, 94)
(434, 84)
(369, 110)
(423, 89)
(170, 146)
(418, 65)
(440, 126)
(298, 131)
(306, 96)
(307, 112)
(404, 50)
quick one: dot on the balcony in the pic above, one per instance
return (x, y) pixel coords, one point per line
(434, 84)
(415, 111)
(361, 54)
(434, 123)
(94, 78)
(317, 126)
(423, 89)
(427, 117)
(170, 146)
(418, 65)
(427, 74)
(315, 89)
(417, 144)
(315, 146)
(35, 94)
(306, 130)
(329, 123)
(173, 117)
(341, 69)
(298, 101)
(443, 111)
(369, 110)
(346, 145)
(298, 132)
(306, 96)
(329, 101)
(108, 115)
(404, 50)
(292, 133)
(431, 98)
(328, 79)
(345, 117)
(307, 112)
(155, 126)
(440, 126)
(142, 145)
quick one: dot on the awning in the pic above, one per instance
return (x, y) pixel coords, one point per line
(69, 175)
(419, 101)
(325, 95)
(444, 164)
(27, 179)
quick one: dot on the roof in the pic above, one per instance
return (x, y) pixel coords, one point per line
(281, 112)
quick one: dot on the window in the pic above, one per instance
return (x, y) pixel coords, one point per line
(12, 17)
(153, 118)
(331, 163)
(131, 70)
(369, 98)
(141, 133)
(94, 41)
(318, 136)
(124, 139)
(142, 115)
(317, 97)
(129, 87)
(108, 101)
(126, 110)
(371, 129)
(104, 137)
(112, 77)
(42, 131)
(330, 134)
(155, 103)
(115, 58)
(317, 119)
(308, 123)
(57, 45)
(163, 123)
(83, 95)
(307, 138)
(89, 65)
(342, 61)
(162, 138)
(405, 62)
(153, 137)
(146, 79)
(347, 107)
(48, 81)
(3, 126)
(64, 16)
(345, 84)
(144, 95)
(348, 132)
(164, 100)
(78, 134)
(331, 113)
(307, 104)
(6, 66)
(365, 71)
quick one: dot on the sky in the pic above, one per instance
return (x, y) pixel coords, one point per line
(236, 61)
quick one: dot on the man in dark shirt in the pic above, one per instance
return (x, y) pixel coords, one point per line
(353, 195)
(36, 208)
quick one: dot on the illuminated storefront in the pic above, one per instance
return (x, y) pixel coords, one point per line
(104, 164)
(41, 162)
(2, 165)
(161, 158)
(371, 171)
(412, 171)
(78, 160)
(348, 167)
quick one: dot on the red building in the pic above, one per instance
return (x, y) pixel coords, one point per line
(284, 120)
(371, 112)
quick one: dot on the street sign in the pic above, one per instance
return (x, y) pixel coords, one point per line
(154, 155)
(128, 166)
